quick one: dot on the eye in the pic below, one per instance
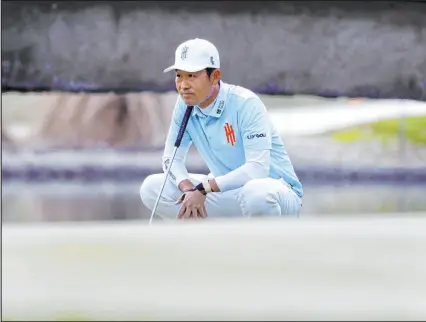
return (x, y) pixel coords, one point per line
(191, 75)
(178, 76)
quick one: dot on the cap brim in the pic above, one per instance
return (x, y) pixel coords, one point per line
(189, 69)
(168, 69)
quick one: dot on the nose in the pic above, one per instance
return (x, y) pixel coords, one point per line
(184, 85)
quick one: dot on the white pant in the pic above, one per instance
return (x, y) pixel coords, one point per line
(258, 197)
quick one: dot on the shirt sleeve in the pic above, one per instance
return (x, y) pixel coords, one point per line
(178, 171)
(256, 166)
(254, 125)
(256, 135)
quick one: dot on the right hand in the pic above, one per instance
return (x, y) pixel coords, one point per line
(193, 205)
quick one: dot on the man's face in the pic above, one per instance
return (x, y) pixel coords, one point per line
(195, 87)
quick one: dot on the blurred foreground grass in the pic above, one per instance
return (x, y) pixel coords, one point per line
(386, 130)
(132, 271)
(61, 317)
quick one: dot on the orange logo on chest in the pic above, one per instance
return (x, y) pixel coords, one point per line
(230, 134)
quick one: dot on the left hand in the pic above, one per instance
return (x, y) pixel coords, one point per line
(193, 205)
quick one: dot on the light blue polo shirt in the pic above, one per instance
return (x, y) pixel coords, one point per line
(237, 120)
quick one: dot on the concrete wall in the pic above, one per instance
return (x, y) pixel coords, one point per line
(329, 48)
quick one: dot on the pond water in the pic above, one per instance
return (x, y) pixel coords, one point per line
(24, 202)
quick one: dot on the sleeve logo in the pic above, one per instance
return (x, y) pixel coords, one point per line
(258, 135)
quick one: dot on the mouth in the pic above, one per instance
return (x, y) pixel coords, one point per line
(187, 95)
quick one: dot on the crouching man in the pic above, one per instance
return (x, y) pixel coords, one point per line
(251, 172)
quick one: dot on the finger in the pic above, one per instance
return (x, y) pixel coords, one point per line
(201, 211)
(194, 213)
(181, 212)
(187, 214)
(204, 211)
(180, 199)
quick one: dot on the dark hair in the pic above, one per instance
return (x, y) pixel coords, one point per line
(209, 71)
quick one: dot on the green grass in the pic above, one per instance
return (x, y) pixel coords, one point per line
(386, 130)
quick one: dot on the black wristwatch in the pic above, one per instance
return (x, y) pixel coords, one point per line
(200, 188)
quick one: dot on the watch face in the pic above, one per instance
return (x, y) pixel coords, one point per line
(200, 188)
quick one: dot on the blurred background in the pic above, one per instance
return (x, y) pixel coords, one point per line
(86, 107)
(85, 111)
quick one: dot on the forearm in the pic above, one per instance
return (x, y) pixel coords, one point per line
(239, 177)
(213, 184)
(256, 167)
(178, 173)
(241, 173)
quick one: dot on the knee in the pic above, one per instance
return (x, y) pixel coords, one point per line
(147, 190)
(257, 200)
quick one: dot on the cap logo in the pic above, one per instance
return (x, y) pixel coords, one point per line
(211, 60)
(183, 52)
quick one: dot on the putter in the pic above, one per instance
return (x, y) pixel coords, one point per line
(177, 144)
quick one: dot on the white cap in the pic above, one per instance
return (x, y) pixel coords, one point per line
(194, 55)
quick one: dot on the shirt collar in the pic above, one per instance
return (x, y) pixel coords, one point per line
(219, 103)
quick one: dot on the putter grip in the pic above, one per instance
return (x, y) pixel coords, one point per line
(183, 126)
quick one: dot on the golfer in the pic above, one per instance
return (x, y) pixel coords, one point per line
(251, 173)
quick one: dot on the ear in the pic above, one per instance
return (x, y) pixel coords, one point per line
(215, 77)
